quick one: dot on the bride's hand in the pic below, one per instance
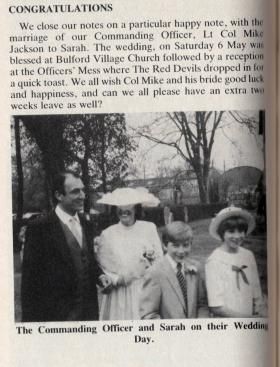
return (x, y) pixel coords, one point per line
(106, 283)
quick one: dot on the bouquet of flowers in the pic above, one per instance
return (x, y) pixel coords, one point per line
(149, 256)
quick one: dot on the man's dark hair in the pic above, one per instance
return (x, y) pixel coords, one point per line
(59, 180)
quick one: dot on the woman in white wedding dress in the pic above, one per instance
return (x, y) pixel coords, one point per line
(125, 251)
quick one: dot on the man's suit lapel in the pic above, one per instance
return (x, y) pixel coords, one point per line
(60, 240)
(171, 277)
(86, 231)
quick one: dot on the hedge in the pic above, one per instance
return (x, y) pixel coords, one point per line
(155, 215)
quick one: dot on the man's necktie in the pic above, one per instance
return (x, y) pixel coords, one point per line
(76, 230)
(182, 283)
(240, 271)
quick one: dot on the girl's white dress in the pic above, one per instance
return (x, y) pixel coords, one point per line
(227, 287)
(125, 253)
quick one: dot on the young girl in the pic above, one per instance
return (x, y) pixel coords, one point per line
(232, 279)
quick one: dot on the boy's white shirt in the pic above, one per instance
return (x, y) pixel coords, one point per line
(185, 267)
(173, 264)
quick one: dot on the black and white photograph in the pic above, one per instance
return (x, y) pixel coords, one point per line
(130, 216)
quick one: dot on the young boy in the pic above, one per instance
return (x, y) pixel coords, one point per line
(171, 286)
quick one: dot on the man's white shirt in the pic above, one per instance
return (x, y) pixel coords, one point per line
(72, 222)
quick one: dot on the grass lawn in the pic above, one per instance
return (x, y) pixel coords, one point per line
(202, 247)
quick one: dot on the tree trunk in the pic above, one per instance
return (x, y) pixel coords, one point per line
(86, 181)
(202, 187)
(19, 213)
(85, 168)
(51, 167)
(103, 163)
(205, 180)
(103, 177)
(48, 134)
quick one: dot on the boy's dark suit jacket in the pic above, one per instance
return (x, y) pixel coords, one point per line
(49, 278)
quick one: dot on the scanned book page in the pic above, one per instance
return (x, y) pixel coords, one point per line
(175, 100)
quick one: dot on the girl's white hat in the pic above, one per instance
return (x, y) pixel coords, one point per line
(128, 196)
(231, 211)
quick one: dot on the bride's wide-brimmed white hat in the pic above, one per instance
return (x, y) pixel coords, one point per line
(129, 196)
(231, 211)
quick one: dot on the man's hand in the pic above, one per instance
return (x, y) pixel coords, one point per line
(106, 283)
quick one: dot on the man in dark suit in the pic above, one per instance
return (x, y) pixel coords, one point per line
(60, 273)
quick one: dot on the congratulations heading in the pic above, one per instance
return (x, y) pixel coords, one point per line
(68, 8)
